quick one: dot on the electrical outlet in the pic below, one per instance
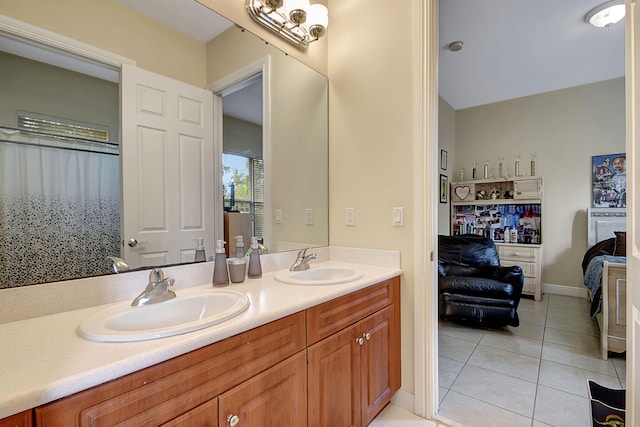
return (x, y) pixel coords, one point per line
(350, 216)
(397, 217)
(308, 216)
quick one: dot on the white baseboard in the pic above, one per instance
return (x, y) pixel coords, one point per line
(572, 291)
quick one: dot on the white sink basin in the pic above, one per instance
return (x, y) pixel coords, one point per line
(189, 311)
(316, 276)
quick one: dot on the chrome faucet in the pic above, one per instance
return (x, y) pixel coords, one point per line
(118, 264)
(302, 261)
(157, 289)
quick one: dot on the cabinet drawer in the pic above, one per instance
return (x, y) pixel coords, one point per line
(330, 317)
(527, 189)
(517, 253)
(528, 268)
(161, 392)
(23, 419)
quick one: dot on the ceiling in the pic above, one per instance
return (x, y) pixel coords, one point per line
(516, 48)
(187, 16)
(512, 48)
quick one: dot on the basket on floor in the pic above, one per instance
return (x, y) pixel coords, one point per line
(607, 405)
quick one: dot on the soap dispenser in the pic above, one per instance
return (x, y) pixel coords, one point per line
(255, 268)
(220, 269)
(239, 247)
(200, 255)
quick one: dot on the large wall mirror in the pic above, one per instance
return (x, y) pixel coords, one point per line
(64, 221)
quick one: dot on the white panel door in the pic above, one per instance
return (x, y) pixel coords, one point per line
(633, 215)
(167, 168)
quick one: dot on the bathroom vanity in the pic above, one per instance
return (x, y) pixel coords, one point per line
(336, 361)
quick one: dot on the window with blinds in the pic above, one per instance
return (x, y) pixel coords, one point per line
(243, 181)
(54, 126)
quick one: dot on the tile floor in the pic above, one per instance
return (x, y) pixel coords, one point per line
(533, 375)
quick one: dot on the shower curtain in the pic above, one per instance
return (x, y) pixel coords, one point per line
(59, 213)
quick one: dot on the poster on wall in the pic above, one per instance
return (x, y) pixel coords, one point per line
(609, 181)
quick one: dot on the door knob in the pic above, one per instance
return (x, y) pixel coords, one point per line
(133, 243)
(233, 420)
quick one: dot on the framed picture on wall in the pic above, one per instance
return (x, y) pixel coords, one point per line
(609, 181)
(443, 160)
(444, 188)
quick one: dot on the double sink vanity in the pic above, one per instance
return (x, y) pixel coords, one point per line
(319, 347)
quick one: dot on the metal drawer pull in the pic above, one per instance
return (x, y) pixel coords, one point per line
(233, 420)
(360, 341)
(366, 336)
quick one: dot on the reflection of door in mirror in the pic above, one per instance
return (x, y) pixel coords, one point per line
(243, 162)
(167, 129)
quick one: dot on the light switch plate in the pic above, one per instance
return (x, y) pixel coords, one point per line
(278, 216)
(308, 216)
(397, 217)
(350, 217)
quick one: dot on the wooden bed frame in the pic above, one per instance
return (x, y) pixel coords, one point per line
(612, 317)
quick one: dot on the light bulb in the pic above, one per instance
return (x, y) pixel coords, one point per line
(317, 19)
(297, 10)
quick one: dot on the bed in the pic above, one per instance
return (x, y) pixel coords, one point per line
(604, 268)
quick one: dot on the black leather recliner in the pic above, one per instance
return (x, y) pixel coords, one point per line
(474, 288)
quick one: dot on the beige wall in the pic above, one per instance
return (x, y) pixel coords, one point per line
(564, 129)
(241, 137)
(371, 136)
(298, 154)
(447, 142)
(109, 25)
(44, 89)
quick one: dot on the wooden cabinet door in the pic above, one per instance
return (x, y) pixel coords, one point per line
(377, 363)
(274, 398)
(334, 378)
(527, 189)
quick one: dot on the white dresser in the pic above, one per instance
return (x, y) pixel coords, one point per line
(529, 257)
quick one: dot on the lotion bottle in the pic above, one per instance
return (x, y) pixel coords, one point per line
(255, 268)
(239, 247)
(200, 254)
(507, 235)
(220, 269)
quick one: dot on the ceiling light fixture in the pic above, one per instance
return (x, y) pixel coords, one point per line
(607, 14)
(296, 21)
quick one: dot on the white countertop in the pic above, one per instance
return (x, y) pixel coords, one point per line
(43, 358)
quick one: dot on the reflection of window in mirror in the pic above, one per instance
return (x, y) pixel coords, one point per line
(243, 183)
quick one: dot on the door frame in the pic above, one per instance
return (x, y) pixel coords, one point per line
(226, 85)
(632, 105)
(426, 193)
(61, 45)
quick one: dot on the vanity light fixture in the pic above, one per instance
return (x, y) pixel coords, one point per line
(296, 21)
(607, 14)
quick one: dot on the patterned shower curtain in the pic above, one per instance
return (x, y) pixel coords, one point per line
(59, 213)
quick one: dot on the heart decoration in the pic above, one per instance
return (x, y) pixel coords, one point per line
(462, 191)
